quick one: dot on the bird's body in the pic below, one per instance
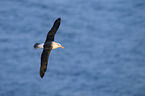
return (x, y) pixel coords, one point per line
(47, 46)
(53, 44)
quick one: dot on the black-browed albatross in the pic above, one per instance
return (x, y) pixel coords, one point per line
(47, 46)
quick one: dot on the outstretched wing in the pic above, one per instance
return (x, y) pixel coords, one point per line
(51, 33)
(44, 61)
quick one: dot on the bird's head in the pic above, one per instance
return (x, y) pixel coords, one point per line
(56, 45)
(59, 45)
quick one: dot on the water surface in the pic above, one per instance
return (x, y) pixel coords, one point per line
(104, 51)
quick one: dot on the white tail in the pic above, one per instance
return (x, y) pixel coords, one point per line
(38, 45)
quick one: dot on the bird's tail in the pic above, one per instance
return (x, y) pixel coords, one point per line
(38, 45)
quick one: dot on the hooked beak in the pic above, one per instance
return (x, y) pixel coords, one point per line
(62, 47)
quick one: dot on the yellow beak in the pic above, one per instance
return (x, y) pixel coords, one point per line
(62, 47)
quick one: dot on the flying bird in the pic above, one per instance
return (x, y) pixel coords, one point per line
(47, 46)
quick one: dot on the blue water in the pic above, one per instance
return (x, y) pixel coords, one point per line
(104, 51)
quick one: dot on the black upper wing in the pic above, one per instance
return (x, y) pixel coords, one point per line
(44, 60)
(51, 33)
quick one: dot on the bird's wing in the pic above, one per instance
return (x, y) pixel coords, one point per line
(44, 60)
(51, 33)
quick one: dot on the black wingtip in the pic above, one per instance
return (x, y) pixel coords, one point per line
(42, 75)
(59, 19)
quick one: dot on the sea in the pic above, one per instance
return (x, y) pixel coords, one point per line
(103, 55)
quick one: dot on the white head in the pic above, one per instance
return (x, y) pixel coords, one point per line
(56, 45)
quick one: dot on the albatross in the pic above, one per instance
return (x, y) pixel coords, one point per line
(47, 46)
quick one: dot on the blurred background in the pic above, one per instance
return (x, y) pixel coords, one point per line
(103, 55)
